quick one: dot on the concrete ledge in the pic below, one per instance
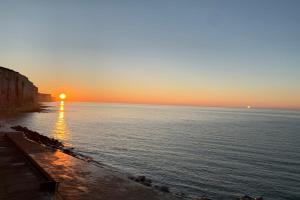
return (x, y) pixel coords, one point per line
(82, 180)
(19, 178)
(18, 140)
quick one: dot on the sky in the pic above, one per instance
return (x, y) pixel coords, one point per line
(190, 52)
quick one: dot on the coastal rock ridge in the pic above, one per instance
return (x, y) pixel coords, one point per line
(17, 92)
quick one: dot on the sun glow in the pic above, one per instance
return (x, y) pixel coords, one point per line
(62, 96)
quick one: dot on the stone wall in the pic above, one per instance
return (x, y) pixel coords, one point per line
(17, 93)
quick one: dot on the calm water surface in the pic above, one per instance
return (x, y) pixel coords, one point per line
(216, 152)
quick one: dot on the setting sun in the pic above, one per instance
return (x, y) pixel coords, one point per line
(62, 96)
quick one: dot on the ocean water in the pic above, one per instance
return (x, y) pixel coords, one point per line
(219, 153)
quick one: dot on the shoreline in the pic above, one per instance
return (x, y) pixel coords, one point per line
(142, 180)
(58, 145)
(75, 178)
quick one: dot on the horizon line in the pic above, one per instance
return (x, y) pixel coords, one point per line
(184, 105)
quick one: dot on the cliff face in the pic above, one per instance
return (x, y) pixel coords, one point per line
(17, 93)
(45, 97)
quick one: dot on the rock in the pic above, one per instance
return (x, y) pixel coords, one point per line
(42, 97)
(17, 92)
(246, 197)
(147, 180)
(146, 184)
(140, 179)
(259, 198)
(131, 177)
(181, 194)
(67, 151)
(164, 189)
(88, 159)
(41, 139)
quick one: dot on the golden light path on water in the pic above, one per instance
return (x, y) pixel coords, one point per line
(61, 129)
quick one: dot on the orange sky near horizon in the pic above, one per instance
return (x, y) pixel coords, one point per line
(138, 89)
(203, 97)
(229, 54)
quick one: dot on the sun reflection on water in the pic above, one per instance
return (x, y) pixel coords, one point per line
(62, 106)
(61, 130)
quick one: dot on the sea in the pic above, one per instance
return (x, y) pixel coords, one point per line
(219, 153)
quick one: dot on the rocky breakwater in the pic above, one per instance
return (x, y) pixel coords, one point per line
(17, 93)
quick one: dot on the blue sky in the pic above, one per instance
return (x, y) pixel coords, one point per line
(226, 49)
